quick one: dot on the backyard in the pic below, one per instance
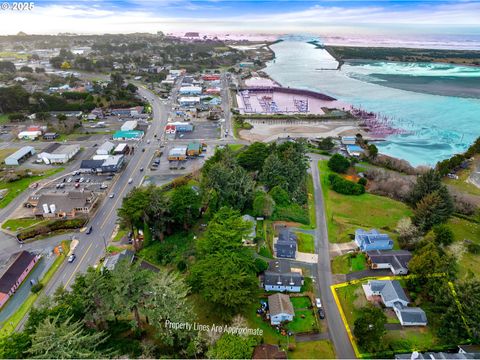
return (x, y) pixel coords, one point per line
(346, 213)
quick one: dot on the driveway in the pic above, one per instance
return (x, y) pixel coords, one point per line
(342, 248)
(368, 273)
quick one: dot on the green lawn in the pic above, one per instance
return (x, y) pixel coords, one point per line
(301, 302)
(179, 246)
(468, 264)
(119, 235)
(5, 152)
(347, 213)
(311, 204)
(305, 243)
(270, 334)
(15, 224)
(16, 187)
(320, 349)
(461, 183)
(235, 147)
(347, 263)
(304, 321)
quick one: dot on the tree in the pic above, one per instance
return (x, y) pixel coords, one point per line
(26, 69)
(408, 234)
(369, 328)
(435, 208)
(65, 65)
(185, 205)
(7, 67)
(426, 184)
(116, 80)
(132, 211)
(338, 163)
(326, 143)
(43, 115)
(225, 232)
(132, 88)
(253, 157)
(372, 151)
(129, 287)
(66, 340)
(13, 98)
(226, 279)
(263, 205)
(167, 301)
(157, 212)
(231, 346)
(280, 196)
(443, 235)
(15, 346)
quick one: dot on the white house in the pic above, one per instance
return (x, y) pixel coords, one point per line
(281, 308)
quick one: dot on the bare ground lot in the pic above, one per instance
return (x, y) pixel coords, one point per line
(269, 130)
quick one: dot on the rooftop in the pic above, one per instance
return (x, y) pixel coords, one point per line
(280, 304)
(11, 275)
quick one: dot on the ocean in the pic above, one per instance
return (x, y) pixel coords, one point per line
(437, 105)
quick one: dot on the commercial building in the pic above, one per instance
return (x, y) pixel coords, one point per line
(91, 166)
(189, 100)
(133, 111)
(177, 153)
(106, 148)
(129, 125)
(121, 149)
(181, 126)
(60, 155)
(29, 135)
(104, 164)
(211, 77)
(128, 135)
(190, 90)
(280, 277)
(20, 155)
(194, 149)
(354, 150)
(112, 163)
(50, 136)
(18, 268)
(349, 140)
(69, 205)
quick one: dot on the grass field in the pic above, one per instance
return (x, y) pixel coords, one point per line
(15, 224)
(468, 264)
(16, 187)
(10, 54)
(5, 152)
(347, 213)
(305, 243)
(311, 204)
(461, 183)
(320, 349)
(301, 302)
(348, 263)
(270, 334)
(235, 147)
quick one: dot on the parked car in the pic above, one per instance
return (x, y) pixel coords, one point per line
(77, 185)
(141, 169)
(69, 180)
(318, 302)
(130, 180)
(72, 258)
(111, 196)
(143, 150)
(89, 231)
(321, 313)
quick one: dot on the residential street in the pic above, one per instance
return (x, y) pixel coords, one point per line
(336, 328)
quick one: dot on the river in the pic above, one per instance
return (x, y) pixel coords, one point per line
(438, 105)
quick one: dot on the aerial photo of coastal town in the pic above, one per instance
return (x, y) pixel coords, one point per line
(243, 179)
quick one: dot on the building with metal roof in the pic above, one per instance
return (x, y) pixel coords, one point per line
(20, 155)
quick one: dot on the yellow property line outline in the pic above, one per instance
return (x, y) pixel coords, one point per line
(334, 288)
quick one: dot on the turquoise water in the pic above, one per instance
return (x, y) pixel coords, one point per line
(438, 126)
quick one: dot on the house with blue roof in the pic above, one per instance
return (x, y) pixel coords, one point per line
(372, 240)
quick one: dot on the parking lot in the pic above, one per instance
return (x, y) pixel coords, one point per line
(202, 130)
(71, 182)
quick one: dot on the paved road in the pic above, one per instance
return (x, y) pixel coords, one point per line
(226, 106)
(338, 334)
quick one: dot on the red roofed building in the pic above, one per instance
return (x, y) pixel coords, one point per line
(211, 77)
(13, 277)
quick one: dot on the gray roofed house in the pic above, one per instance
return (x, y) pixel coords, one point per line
(280, 277)
(393, 296)
(286, 245)
(112, 261)
(280, 308)
(439, 356)
(395, 260)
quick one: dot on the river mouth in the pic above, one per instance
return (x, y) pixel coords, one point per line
(438, 105)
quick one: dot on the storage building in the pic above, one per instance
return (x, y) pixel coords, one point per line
(177, 153)
(106, 148)
(129, 125)
(20, 155)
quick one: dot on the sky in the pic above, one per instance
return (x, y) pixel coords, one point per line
(327, 18)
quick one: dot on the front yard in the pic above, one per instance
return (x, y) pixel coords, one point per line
(320, 349)
(348, 263)
(305, 243)
(346, 213)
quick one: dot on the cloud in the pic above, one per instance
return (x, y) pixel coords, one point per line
(216, 15)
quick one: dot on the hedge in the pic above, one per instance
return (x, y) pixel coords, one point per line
(343, 186)
(53, 225)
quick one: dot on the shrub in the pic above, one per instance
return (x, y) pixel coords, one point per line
(473, 248)
(280, 196)
(443, 235)
(54, 225)
(338, 163)
(362, 181)
(36, 288)
(343, 186)
(181, 266)
(260, 265)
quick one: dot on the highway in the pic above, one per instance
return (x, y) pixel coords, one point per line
(91, 247)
